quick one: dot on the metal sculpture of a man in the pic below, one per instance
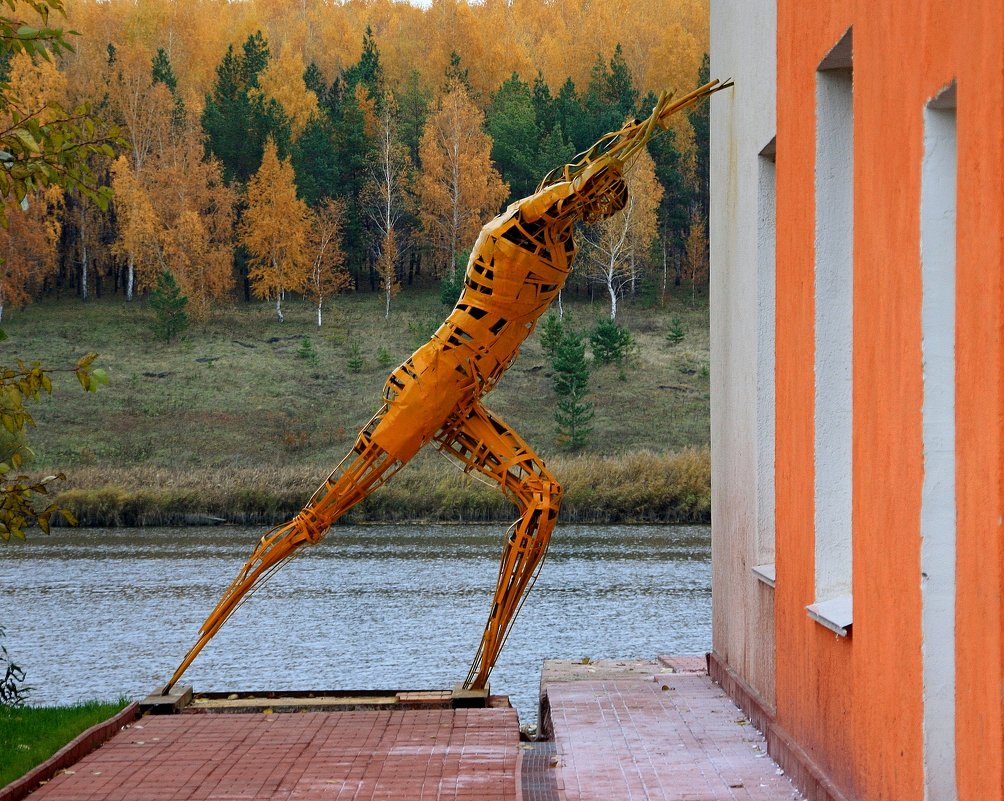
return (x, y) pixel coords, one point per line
(517, 267)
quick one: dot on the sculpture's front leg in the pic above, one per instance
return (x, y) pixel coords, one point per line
(486, 444)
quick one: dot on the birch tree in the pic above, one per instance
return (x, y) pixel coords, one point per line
(696, 249)
(138, 227)
(618, 245)
(145, 107)
(327, 275)
(28, 246)
(385, 194)
(276, 231)
(459, 189)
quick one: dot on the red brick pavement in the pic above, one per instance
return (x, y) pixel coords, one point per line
(464, 754)
(670, 736)
(624, 731)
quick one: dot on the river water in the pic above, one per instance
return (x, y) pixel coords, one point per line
(105, 613)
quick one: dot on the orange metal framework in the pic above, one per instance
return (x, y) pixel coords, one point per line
(517, 267)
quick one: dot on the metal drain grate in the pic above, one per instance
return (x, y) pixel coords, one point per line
(539, 776)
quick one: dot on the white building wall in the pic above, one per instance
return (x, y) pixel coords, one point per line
(743, 47)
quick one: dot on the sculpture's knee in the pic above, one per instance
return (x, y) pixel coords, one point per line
(309, 527)
(554, 492)
(547, 494)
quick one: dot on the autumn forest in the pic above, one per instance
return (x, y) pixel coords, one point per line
(269, 148)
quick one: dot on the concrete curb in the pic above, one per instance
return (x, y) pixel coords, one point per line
(78, 748)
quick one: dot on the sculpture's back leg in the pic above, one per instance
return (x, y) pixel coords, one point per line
(484, 443)
(363, 470)
(418, 398)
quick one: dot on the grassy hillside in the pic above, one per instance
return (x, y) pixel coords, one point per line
(244, 395)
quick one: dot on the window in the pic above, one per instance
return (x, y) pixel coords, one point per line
(937, 505)
(766, 269)
(834, 285)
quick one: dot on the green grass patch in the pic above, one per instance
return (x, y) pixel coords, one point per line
(240, 416)
(30, 735)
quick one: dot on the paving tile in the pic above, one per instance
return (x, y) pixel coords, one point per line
(627, 730)
(346, 756)
(656, 738)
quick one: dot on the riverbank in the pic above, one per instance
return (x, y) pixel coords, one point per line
(244, 391)
(641, 487)
(243, 416)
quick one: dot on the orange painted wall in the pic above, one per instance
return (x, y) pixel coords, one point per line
(855, 705)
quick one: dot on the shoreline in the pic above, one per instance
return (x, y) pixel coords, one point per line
(641, 487)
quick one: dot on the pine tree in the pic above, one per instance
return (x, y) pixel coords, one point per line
(543, 104)
(413, 103)
(571, 116)
(162, 72)
(553, 151)
(315, 161)
(610, 343)
(313, 80)
(700, 119)
(352, 154)
(674, 208)
(571, 384)
(366, 72)
(552, 330)
(168, 306)
(511, 121)
(238, 117)
(676, 333)
(610, 98)
(457, 75)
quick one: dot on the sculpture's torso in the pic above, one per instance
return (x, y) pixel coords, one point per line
(515, 271)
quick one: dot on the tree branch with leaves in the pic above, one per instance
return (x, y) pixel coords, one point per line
(18, 384)
(41, 146)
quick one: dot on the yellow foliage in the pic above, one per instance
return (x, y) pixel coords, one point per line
(36, 84)
(696, 249)
(276, 230)
(138, 225)
(663, 40)
(282, 80)
(459, 189)
(618, 246)
(28, 246)
(327, 275)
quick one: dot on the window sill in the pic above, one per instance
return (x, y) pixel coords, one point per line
(765, 573)
(834, 614)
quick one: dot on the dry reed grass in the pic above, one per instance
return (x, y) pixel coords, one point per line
(638, 487)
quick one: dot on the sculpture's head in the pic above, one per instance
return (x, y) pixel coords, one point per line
(606, 195)
(594, 193)
(597, 192)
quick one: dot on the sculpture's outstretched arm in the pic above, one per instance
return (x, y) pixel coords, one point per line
(484, 443)
(625, 144)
